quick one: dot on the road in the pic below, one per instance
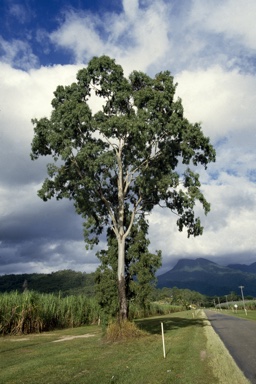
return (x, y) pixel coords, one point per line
(239, 337)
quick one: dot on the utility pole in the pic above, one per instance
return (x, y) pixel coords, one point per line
(219, 304)
(227, 301)
(242, 293)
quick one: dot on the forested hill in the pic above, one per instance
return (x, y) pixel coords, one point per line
(209, 278)
(66, 281)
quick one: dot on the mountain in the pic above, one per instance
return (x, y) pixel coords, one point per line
(243, 267)
(209, 278)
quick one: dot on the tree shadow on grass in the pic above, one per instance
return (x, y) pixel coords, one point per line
(153, 325)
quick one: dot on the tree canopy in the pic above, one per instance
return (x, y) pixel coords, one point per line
(124, 159)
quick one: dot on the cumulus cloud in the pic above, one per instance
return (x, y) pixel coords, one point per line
(67, 36)
(222, 100)
(23, 96)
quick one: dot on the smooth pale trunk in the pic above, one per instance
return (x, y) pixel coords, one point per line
(121, 279)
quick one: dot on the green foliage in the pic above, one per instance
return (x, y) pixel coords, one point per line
(67, 282)
(29, 312)
(140, 268)
(140, 131)
(181, 297)
(153, 309)
(141, 264)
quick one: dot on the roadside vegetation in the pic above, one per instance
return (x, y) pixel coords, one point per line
(30, 312)
(249, 314)
(33, 312)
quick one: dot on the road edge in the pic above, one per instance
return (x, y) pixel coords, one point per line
(219, 358)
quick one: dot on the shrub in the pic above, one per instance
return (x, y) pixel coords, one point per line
(124, 330)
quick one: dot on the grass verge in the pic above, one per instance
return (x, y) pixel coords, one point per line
(222, 363)
(251, 314)
(81, 355)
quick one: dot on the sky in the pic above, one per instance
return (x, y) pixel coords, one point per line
(210, 49)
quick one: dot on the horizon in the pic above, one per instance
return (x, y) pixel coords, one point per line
(157, 274)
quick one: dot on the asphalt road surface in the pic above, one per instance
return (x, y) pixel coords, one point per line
(239, 337)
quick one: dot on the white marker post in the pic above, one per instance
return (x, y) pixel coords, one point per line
(162, 327)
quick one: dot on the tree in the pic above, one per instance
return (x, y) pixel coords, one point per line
(124, 158)
(140, 269)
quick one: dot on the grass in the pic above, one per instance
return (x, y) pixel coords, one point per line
(251, 314)
(40, 359)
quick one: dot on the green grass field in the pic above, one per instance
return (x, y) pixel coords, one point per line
(251, 314)
(84, 356)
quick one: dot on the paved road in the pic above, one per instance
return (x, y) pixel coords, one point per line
(239, 337)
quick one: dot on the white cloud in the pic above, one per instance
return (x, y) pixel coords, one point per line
(150, 38)
(123, 36)
(173, 36)
(228, 229)
(234, 18)
(131, 8)
(79, 35)
(18, 53)
(224, 101)
(25, 95)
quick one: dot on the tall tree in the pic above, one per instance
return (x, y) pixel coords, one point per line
(125, 157)
(140, 269)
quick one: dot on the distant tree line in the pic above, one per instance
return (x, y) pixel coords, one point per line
(67, 282)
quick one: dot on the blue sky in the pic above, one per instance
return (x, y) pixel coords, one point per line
(210, 48)
(33, 21)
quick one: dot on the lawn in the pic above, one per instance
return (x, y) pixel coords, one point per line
(80, 355)
(251, 314)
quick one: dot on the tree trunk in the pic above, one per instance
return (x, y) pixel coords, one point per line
(121, 280)
(121, 238)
